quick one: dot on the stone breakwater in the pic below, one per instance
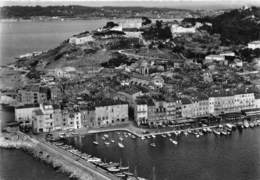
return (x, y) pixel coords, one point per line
(23, 142)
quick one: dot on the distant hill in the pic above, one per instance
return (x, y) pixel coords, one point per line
(236, 26)
(88, 12)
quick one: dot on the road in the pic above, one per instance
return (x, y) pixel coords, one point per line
(96, 172)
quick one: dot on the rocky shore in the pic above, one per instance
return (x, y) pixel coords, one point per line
(18, 141)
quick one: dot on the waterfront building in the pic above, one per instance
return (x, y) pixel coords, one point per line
(110, 112)
(187, 108)
(24, 114)
(227, 104)
(254, 45)
(74, 120)
(141, 111)
(43, 119)
(87, 116)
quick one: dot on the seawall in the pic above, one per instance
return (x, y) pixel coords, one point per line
(58, 161)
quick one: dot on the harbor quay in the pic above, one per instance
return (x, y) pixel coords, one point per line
(57, 157)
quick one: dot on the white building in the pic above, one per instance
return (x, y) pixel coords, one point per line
(24, 114)
(229, 104)
(81, 39)
(43, 119)
(227, 53)
(211, 58)
(254, 45)
(74, 120)
(132, 23)
(176, 29)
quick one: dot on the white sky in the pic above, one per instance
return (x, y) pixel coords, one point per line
(147, 3)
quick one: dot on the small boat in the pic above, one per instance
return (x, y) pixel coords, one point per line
(197, 135)
(120, 175)
(143, 137)
(251, 124)
(153, 144)
(164, 135)
(94, 159)
(126, 135)
(118, 133)
(128, 173)
(204, 130)
(95, 142)
(216, 132)
(121, 138)
(113, 169)
(186, 133)
(112, 140)
(106, 135)
(107, 143)
(124, 168)
(224, 133)
(169, 134)
(173, 141)
(209, 130)
(103, 138)
(129, 134)
(121, 145)
(246, 124)
(153, 136)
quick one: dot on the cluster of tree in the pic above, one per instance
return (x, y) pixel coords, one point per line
(235, 27)
(159, 31)
(110, 24)
(249, 54)
(117, 60)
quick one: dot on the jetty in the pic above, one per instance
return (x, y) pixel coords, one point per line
(70, 164)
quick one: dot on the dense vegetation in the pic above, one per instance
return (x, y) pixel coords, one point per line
(236, 26)
(117, 60)
(159, 31)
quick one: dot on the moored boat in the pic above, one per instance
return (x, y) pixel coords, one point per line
(121, 145)
(216, 132)
(95, 142)
(153, 144)
(107, 143)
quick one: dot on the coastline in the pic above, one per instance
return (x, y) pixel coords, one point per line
(38, 151)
